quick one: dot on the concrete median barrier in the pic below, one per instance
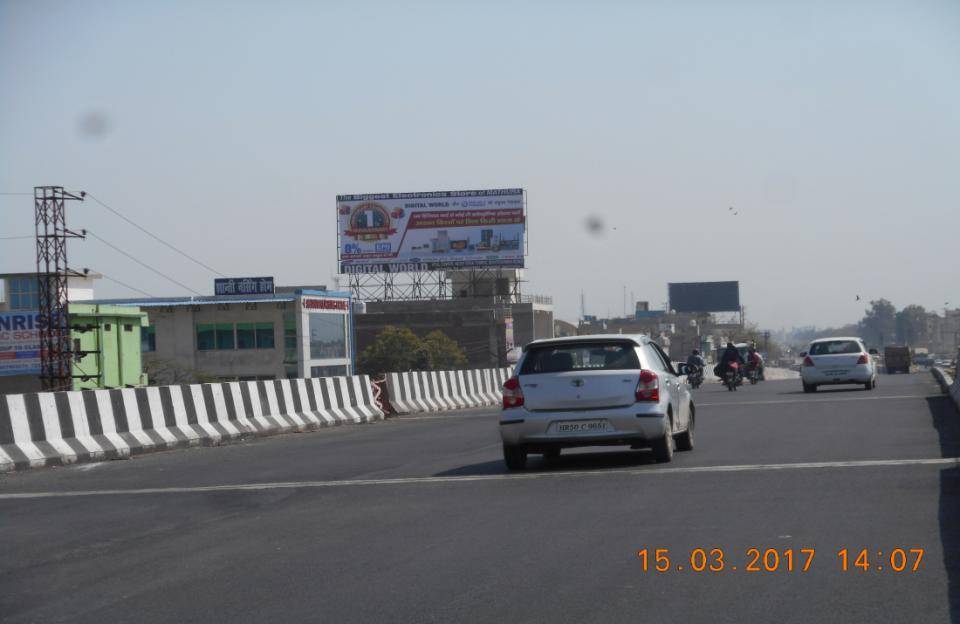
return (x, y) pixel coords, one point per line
(432, 391)
(55, 428)
(949, 385)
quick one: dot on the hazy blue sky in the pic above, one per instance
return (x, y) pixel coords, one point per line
(832, 127)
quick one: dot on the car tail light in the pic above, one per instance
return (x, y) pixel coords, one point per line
(648, 388)
(808, 361)
(512, 395)
(864, 359)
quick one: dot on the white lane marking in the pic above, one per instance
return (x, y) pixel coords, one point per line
(782, 401)
(242, 487)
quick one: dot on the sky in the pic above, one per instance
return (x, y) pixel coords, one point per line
(228, 129)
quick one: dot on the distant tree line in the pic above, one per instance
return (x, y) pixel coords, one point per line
(882, 324)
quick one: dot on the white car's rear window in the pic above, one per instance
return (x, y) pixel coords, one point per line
(835, 347)
(580, 356)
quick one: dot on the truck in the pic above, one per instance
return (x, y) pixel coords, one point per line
(897, 359)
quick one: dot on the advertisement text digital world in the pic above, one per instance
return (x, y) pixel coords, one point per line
(409, 232)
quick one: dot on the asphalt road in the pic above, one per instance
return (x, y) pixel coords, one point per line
(416, 520)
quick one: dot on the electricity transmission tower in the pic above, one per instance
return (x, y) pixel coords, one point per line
(52, 275)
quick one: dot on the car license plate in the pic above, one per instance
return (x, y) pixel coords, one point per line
(582, 426)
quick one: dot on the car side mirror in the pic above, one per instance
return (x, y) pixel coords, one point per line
(803, 354)
(873, 352)
(682, 368)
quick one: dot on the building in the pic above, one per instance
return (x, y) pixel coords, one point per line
(21, 291)
(294, 333)
(106, 346)
(485, 329)
(20, 329)
(484, 313)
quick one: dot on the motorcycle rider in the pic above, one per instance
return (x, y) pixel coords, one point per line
(730, 355)
(695, 359)
(755, 361)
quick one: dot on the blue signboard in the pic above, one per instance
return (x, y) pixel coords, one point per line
(243, 286)
(20, 343)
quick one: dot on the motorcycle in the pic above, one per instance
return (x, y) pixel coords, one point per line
(695, 377)
(732, 377)
(753, 374)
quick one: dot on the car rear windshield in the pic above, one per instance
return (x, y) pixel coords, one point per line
(580, 356)
(835, 347)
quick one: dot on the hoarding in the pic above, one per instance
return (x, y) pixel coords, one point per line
(20, 343)
(243, 286)
(408, 232)
(705, 296)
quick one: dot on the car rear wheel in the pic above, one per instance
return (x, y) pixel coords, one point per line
(870, 385)
(515, 456)
(685, 439)
(663, 448)
(809, 387)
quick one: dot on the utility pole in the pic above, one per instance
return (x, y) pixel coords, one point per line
(50, 221)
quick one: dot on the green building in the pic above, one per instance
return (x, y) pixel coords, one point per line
(106, 343)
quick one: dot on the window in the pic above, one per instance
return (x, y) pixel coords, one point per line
(660, 359)
(228, 336)
(581, 356)
(24, 293)
(148, 339)
(225, 336)
(246, 335)
(128, 328)
(835, 347)
(289, 337)
(205, 333)
(328, 336)
(328, 371)
(265, 336)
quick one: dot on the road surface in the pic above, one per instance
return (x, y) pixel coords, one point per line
(417, 520)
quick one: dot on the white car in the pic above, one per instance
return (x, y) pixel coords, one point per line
(599, 390)
(832, 361)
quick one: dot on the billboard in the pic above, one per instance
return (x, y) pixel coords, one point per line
(407, 232)
(704, 296)
(20, 343)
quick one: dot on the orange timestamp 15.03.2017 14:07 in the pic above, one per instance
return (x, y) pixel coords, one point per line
(898, 559)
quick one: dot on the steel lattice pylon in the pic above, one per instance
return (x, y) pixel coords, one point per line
(52, 275)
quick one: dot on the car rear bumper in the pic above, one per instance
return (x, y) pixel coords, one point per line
(629, 425)
(859, 374)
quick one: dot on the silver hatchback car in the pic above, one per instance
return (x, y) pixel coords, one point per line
(601, 390)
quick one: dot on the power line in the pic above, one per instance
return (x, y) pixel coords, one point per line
(116, 281)
(155, 237)
(141, 263)
(15, 237)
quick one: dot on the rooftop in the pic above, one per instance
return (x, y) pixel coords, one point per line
(156, 302)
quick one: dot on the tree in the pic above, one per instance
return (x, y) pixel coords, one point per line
(912, 325)
(879, 323)
(443, 352)
(395, 349)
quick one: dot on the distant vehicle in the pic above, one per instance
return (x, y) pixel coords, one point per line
(695, 377)
(599, 390)
(833, 361)
(732, 377)
(744, 349)
(897, 359)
